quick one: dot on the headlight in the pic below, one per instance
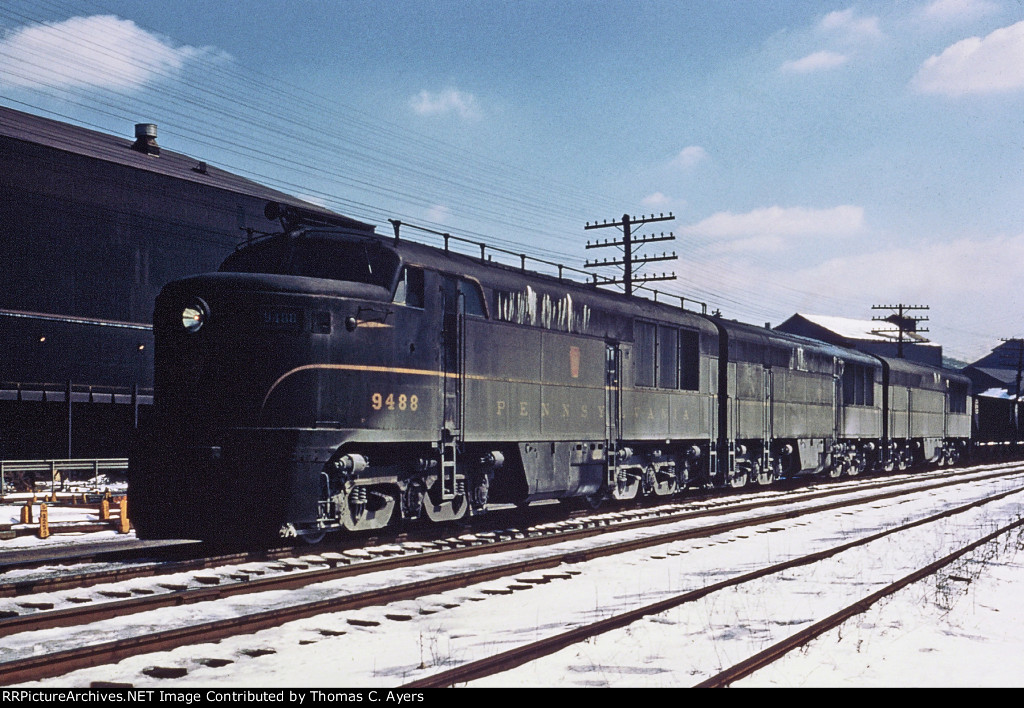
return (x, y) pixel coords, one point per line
(194, 315)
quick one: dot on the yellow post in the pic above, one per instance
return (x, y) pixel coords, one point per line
(105, 510)
(123, 524)
(53, 496)
(44, 522)
(26, 513)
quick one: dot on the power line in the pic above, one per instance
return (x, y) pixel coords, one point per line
(628, 243)
(904, 323)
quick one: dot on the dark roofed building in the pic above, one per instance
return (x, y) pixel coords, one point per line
(862, 336)
(93, 225)
(997, 382)
(1007, 355)
(996, 374)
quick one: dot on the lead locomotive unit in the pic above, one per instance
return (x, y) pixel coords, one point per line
(329, 378)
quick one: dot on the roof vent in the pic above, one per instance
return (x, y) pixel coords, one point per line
(145, 139)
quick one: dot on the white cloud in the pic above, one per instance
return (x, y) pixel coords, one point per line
(655, 200)
(101, 50)
(439, 214)
(847, 24)
(428, 103)
(972, 285)
(819, 61)
(769, 228)
(950, 11)
(689, 156)
(915, 271)
(976, 65)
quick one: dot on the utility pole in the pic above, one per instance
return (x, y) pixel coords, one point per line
(902, 320)
(628, 242)
(1019, 351)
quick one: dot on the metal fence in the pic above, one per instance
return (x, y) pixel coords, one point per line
(24, 475)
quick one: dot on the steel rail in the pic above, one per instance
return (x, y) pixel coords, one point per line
(535, 650)
(79, 615)
(88, 579)
(803, 637)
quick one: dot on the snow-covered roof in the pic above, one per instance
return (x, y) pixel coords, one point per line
(996, 393)
(856, 329)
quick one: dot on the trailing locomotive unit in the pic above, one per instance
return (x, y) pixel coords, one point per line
(329, 378)
(794, 405)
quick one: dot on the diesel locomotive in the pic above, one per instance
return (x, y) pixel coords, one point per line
(329, 378)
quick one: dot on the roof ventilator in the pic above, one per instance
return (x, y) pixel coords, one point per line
(145, 139)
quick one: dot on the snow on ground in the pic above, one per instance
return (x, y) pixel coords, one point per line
(961, 627)
(10, 513)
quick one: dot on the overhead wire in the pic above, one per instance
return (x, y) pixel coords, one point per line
(484, 193)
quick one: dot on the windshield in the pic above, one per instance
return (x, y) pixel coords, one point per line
(358, 261)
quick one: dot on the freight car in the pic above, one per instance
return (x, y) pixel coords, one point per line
(998, 422)
(329, 378)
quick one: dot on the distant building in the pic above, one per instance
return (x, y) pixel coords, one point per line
(995, 374)
(861, 335)
(91, 227)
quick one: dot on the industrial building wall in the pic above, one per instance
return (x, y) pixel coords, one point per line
(86, 244)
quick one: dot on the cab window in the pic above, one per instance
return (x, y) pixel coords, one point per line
(409, 291)
(466, 290)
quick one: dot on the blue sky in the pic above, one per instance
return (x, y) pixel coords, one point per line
(819, 157)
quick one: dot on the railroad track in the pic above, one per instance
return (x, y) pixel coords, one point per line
(131, 563)
(538, 569)
(804, 637)
(520, 655)
(288, 569)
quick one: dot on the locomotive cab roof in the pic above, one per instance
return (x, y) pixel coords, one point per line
(331, 254)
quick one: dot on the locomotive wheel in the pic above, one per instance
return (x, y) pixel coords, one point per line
(313, 538)
(627, 485)
(855, 468)
(662, 487)
(363, 509)
(452, 510)
(742, 476)
(764, 478)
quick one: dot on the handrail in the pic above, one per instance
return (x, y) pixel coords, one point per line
(96, 465)
(594, 278)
